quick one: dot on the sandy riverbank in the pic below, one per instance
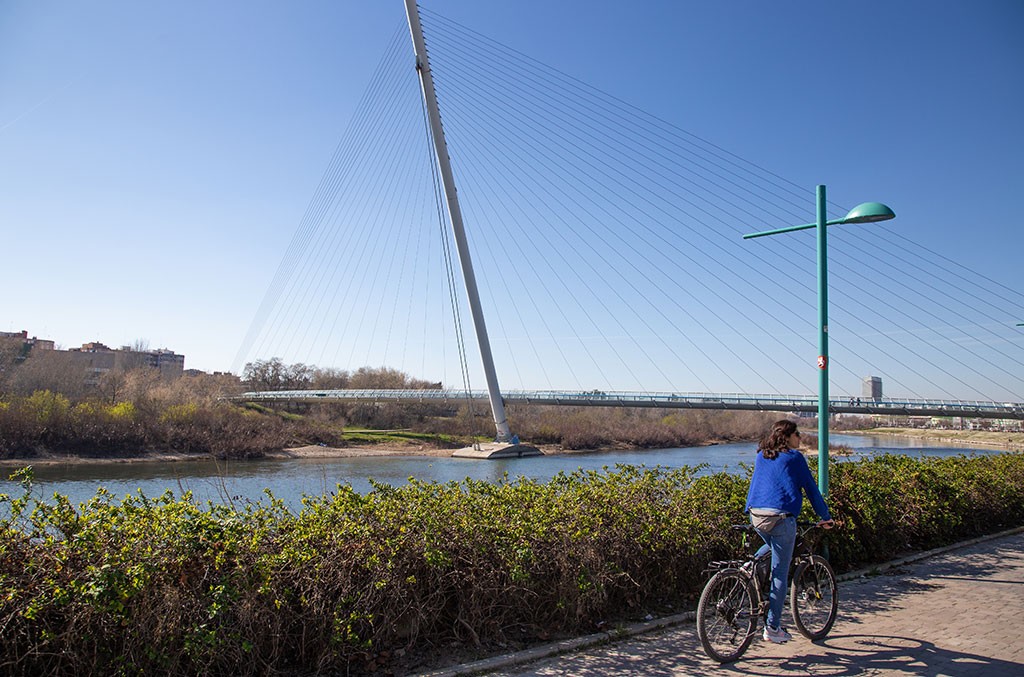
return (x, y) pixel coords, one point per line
(964, 438)
(44, 457)
(319, 451)
(959, 438)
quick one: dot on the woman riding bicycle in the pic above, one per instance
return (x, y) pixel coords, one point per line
(781, 476)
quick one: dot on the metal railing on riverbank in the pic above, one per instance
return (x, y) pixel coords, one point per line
(722, 401)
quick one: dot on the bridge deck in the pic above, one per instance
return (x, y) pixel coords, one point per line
(743, 402)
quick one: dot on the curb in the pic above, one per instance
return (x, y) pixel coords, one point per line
(565, 646)
(556, 648)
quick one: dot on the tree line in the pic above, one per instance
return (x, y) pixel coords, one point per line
(275, 374)
(46, 403)
(51, 403)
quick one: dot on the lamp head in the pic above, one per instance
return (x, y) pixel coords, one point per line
(869, 212)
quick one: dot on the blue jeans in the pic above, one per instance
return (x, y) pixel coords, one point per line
(780, 540)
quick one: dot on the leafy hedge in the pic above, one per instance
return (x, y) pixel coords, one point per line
(351, 581)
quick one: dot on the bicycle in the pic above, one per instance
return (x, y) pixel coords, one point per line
(737, 594)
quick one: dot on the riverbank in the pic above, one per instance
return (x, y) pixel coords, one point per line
(48, 426)
(966, 438)
(412, 447)
(302, 452)
(391, 448)
(310, 451)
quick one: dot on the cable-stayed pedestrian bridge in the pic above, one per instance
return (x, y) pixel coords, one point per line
(608, 248)
(712, 401)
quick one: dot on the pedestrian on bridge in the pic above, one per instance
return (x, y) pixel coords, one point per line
(781, 477)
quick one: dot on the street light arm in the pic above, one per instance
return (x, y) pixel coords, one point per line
(790, 229)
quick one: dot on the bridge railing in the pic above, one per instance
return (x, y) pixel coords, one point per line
(743, 401)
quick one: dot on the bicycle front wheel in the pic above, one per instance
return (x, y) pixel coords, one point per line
(814, 598)
(727, 615)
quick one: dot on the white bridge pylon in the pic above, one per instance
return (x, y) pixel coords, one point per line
(504, 435)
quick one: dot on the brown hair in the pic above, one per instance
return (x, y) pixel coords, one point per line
(776, 440)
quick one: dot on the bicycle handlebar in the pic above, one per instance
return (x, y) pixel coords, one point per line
(800, 523)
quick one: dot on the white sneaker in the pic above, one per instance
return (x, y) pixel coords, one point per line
(777, 635)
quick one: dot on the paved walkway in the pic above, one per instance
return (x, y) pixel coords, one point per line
(960, 614)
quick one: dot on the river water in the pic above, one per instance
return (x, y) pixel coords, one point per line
(289, 479)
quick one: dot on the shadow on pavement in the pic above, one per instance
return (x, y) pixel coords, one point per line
(885, 591)
(863, 604)
(834, 657)
(857, 654)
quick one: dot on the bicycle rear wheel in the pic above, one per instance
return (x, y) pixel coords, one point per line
(727, 615)
(814, 598)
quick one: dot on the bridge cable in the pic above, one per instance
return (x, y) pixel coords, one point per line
(449, 268)
(320, 255)
(982, 357)
(686, 255)
(306, 224)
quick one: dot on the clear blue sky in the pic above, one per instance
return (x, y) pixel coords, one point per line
(157, 157)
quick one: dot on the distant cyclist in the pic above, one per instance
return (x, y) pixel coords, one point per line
(781, 477)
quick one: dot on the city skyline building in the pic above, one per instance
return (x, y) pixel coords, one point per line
(871, 388)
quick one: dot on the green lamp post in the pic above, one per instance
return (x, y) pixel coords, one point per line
(867, 212)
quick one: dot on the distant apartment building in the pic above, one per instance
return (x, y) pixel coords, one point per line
(98, 359)
(170, 364)
(871, 388)
(29, 343)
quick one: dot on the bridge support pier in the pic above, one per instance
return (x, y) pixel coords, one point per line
(495, 450)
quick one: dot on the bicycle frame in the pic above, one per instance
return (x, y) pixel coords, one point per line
(738, 591)
(802, 551)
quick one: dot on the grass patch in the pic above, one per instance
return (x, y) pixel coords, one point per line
(405, 438)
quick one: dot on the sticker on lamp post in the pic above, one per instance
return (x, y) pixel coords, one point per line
(822, 361)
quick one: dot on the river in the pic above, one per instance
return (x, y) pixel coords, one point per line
(289, 479)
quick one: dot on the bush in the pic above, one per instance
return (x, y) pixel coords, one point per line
(898, 503)
(597, 427)
(163, 585)
(47, 421)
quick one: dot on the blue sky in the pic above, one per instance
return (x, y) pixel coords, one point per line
(156, 158)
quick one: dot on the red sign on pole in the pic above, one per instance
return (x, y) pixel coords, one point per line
(822, 361)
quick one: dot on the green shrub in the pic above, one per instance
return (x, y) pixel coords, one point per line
(46, 407)
(163, 585)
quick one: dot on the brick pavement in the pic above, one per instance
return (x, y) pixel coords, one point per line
(960, 614)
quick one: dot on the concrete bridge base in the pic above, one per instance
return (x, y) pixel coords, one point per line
(489, 450)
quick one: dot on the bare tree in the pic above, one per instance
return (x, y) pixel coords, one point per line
(112, 385)
(12, 353)
(299, 376)
(140, 387)
(386, 377)
(330, 378)
(53, 370)
(133, 356)
(265, 374)
(274, 374)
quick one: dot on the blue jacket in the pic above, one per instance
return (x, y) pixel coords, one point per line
(777, 484)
